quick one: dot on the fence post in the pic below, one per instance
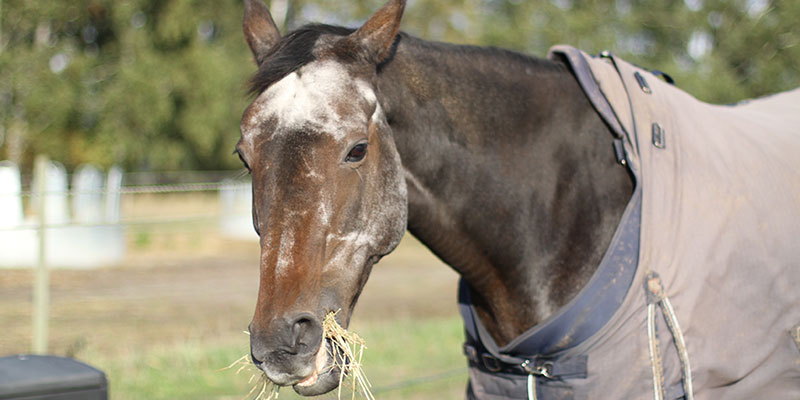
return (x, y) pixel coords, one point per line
(1, 26)
(41, 287)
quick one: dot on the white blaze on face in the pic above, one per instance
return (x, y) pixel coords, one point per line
(285, 253)
(321, 97)
(308, 98)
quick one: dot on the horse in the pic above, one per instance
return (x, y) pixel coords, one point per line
(505, 168)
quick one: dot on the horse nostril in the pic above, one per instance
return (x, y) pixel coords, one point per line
(306, 333)
(298, 329)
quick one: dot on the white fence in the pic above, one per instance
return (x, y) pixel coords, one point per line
(83, 223)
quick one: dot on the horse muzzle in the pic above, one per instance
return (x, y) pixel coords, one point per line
(292, 352)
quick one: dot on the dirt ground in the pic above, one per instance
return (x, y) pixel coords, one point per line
(187, 284)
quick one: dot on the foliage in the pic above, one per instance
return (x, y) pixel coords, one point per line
(159, 84)
(148, 84)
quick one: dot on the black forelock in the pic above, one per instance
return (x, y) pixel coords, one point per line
(291, 53)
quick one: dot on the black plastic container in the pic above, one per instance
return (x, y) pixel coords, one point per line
(30, 377)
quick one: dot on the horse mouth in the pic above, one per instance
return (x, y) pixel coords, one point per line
(325, 376)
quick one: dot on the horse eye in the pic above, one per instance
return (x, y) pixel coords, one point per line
(357, 153)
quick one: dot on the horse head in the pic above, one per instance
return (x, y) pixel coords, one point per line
(329, 195)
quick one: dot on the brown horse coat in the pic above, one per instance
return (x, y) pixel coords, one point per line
(720, 226)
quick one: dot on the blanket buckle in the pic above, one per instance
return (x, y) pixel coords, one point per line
(491, 363)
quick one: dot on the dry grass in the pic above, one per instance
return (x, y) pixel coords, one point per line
(351, 348)
(263, 388)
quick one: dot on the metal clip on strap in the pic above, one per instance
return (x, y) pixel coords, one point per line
(544, 369)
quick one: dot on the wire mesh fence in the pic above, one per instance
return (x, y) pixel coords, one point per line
(188, 276)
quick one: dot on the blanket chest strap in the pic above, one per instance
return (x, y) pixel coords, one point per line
(657, 297)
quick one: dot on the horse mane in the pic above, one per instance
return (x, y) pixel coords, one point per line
(488, 54)
(291, 53)
(295, 50)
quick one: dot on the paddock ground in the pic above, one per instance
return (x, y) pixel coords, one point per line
(164, 322)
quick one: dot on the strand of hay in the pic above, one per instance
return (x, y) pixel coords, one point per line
(351, 348)
(264, 388)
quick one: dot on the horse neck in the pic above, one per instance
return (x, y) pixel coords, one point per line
(512, 178)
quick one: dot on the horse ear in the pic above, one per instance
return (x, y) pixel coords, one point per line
(259, 29)
(377, 35)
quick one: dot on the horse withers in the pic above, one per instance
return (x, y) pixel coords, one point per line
(508, 168)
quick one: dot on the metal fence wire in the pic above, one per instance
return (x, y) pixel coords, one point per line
(221, 188)
(210, 188)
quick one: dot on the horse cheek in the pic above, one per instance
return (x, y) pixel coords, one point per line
(394, 199)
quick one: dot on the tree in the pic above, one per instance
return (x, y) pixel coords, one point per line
(146, 84)
(160, 84)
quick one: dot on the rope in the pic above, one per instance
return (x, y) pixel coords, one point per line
(655, 354)
(680, 343)
(531, 387)
(657, 297)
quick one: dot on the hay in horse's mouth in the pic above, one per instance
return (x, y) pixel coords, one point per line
(340, 349)
(350, 348)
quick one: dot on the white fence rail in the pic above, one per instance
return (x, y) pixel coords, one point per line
(74, 238)
(84, 223)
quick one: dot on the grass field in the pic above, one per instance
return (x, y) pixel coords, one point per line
(164, 323)
(407, 359)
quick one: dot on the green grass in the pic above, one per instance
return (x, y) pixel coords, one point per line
(405, 359)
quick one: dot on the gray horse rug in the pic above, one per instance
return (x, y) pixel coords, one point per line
(698, 295)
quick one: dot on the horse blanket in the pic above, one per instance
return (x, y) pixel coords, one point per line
(698, 295)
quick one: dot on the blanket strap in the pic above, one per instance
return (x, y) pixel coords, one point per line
(657, 297)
